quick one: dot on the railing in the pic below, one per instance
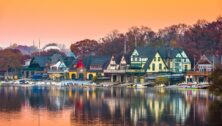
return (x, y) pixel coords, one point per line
(114, 71)
(57, 71)
(135, 71)
(203, 73)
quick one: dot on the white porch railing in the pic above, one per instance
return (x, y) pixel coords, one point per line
(114, 71)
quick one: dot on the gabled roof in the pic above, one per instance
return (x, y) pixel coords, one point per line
(168, 52)
(40, 60)
(146, 51)
(118, 58)
(55, 58)
(80, 64)
(127, 58)
(100, 60)
(69, 61)
(58, 64)
(149, 61)
(92, 60)
(165, 53)
(204, 60)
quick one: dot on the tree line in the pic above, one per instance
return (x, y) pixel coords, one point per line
(203, 37)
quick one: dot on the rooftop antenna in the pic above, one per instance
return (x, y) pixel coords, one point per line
(39, 46)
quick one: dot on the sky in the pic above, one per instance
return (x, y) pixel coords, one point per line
(67, 21)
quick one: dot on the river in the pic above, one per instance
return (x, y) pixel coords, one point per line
(63, 106)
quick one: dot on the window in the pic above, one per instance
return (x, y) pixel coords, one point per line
(158, 58)
(112, 65)
(185, 60)
(154, 58)
(185, 68)
(177, 64)
(153, 67)
(136, 59)
(178, 60)
(160, 66)
(144, 59)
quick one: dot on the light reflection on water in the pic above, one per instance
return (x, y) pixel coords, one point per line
(44, 106)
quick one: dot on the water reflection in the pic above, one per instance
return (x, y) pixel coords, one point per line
(115, 106)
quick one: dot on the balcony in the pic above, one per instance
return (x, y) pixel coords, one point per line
(198, 73)
(135, 71)
(114, 71)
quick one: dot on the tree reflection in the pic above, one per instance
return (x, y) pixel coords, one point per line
(11, 99)
(116, 106)
(214, 116)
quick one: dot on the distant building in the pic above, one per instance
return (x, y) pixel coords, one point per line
(117, 67)
(37, 67)
(202, 69)
(153, 62)
(204, 64)
(52, 46)
(89, 68)
(52, 67)
(59, 70)
(143, 63)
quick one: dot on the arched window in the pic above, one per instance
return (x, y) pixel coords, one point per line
(73, 76)
(90, 77)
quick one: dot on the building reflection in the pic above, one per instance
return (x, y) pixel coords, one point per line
(113, 106)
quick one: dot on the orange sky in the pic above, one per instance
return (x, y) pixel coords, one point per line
(66, 21)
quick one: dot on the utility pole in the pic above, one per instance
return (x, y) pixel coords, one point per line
(135, 41)
(125, 45)
(220, 59)
(145, 39)
(194, 64)
(213, 63)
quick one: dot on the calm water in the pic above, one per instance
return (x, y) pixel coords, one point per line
(42, 106)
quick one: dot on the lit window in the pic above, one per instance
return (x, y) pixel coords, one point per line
(160, 66)
(153, 67)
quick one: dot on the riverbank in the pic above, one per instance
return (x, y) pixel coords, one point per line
(85, 84)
